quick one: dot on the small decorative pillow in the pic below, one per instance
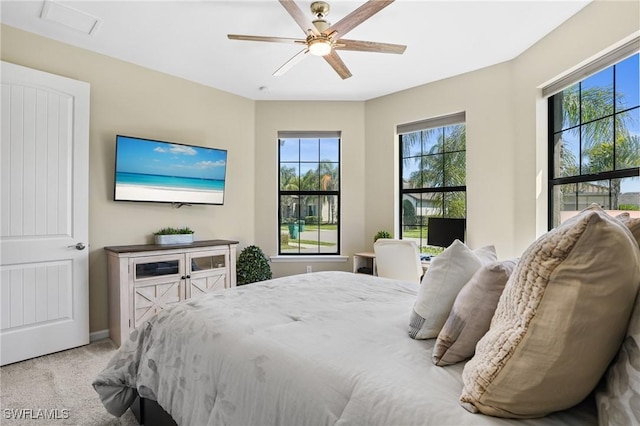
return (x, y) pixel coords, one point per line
(447, 274)
(471, 314)
(560, 320)
(618, 403)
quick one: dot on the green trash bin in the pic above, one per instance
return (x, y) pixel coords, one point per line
(293, 231)
(301, 225)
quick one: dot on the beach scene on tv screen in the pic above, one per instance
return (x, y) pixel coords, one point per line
(169, 172)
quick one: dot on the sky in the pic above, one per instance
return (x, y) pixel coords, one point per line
(312, 150)
(169, 159)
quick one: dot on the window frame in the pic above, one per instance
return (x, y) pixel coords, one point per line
(610, 175)
(300, 135)
(438, 123)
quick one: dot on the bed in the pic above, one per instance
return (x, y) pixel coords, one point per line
(559, 344)
(310, 349)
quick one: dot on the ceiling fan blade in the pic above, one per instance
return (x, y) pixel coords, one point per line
(264, 38)
(369, 46)
(336, 63)
(291, 62)
(357, 17)
(298, 16)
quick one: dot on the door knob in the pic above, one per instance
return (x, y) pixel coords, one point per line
(79, 246)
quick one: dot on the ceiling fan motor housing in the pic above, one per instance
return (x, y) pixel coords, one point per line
(321, 24)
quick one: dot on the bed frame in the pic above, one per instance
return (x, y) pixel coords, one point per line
(149, 412)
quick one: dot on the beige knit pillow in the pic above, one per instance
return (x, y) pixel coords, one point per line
(559, 322)
(632, 223)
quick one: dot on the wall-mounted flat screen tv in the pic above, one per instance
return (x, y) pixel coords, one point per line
(168, 172)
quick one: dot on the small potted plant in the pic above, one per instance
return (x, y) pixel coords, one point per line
(171, 235)
(252, 266)
(381, 234)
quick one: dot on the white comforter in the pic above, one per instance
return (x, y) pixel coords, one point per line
(313, 349)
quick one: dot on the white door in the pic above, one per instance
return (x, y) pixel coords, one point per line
(43, 213)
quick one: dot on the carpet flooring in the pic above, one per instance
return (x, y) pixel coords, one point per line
(56, 389)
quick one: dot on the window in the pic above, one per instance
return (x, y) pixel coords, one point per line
(432, 175)
(594, 142)
(309, 193)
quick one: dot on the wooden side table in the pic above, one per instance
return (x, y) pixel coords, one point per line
(364, 263)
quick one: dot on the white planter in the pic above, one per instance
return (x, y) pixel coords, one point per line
(174, 239)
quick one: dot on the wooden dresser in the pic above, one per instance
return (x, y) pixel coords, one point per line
(144, 279)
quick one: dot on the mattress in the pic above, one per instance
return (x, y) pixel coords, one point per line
(312, 349)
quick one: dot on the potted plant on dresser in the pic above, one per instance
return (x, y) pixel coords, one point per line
(171, 235)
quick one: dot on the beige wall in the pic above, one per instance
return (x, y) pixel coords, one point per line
(506, 143)
(131, 100)
(597, 29)
(347, 117)
(506, 129)
(484, 96)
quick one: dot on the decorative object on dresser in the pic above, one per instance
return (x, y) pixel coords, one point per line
(174, 236)
(253, 266)
(144, 279)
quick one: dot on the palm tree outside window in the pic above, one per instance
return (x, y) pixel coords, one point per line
(309, 193)
(432, 175)
(594, 142)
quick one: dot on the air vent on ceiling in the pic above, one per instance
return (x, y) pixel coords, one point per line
(70, 17)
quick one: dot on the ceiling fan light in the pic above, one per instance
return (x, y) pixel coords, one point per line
(320, 47)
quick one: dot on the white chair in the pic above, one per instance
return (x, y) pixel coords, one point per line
(398, 259)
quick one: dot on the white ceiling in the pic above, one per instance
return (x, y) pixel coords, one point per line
(188, 39)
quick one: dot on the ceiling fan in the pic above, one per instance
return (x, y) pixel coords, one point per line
(323, 39)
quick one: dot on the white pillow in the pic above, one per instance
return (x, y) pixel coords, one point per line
(447, 274)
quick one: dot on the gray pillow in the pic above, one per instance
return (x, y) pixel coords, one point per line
(447, 274)
(471, 314)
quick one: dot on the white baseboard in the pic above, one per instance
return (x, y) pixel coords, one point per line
(98, 335)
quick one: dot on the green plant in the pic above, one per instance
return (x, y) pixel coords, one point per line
(252, 266)
(173, 231)
(381, 234)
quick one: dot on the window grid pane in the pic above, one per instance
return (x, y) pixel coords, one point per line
(309, 196)
(432, 164)
(594, 145)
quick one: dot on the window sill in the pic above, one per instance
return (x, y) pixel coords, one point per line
(318, 258)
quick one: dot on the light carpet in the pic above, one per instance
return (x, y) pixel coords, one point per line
(56, 389)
